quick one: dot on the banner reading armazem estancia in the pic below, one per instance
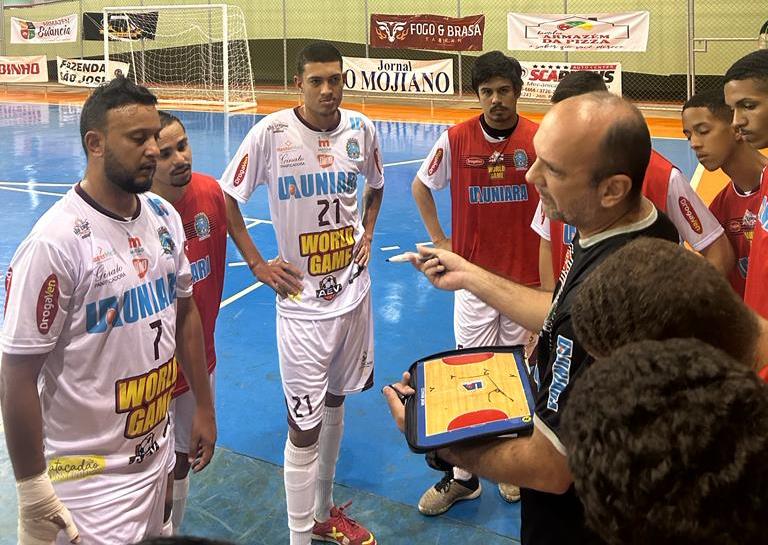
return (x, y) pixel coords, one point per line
(578, 32)
(29, 69)
(63, 29)
(89, 73)
(427, 32)
(541, 78)
(399, 76)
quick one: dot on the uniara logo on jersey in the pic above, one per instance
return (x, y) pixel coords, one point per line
(146, 448)
(561, 372)
(353, 149)
(520, 159)
(158, 207)
(690, 215)
(434, 164)
(315, 184)
(166, 241)
(140, 262)
(497, 193)
(72, 468)
(329, 289)
(146, 398)
(202, 226)
(328, 251)
(82, 228)
(201, 269)
(137, 303)
(8, 280)
(47, 304)
(240, 171)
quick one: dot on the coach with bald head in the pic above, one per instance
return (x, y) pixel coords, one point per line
(592, 152)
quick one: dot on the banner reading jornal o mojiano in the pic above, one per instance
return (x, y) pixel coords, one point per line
(89, 73)
(24, 69)
(541, 78)
(578, 32)
(399, 76)
(63, 29)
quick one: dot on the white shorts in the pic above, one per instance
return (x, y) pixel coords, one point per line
(477, 324)
(320, 356)
(125, 519)
(182, 411)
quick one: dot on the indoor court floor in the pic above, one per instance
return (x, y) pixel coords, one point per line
(240, 496)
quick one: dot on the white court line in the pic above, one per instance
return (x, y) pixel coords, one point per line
(237, 264)
(41, 184)
(32, 191)
(388, 248)
(409, 162)
(257, 221)
(240, 294)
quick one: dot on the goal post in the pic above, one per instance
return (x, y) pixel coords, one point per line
(188, 53)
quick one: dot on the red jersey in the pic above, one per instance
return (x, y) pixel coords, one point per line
(756, 291)
(737, 213)
(491, 202)
(655, 188)
(203, 213)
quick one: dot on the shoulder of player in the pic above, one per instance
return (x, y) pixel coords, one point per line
(159, 209)
(349, 115)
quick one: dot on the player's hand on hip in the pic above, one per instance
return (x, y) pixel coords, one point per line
(203, 439)
(280, 275)
(363, 251)
(444, 269)
(396, 394)
(41, 514)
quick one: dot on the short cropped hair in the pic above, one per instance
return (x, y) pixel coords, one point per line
(652, 289)
(751, 66)
(167, 118)
(577, 83)
(666, 443)
(714, 101)
(117, 93)
(317, 52)
(496, 64)
(625, 147)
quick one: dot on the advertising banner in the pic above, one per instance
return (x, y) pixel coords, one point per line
(89, 73)
(541, 78)
(427, 32)
(33, 69)
(399, 76)
(63, 29)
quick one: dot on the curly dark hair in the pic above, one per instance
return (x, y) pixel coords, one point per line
(655, 289)
(666, 443)
(496, 64)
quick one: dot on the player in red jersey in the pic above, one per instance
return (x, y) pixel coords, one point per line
(664, 185)
(746, 92)
(707, 125)
(200, 202)
(484, 161)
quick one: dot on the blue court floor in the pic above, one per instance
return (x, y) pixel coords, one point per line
(240, 497)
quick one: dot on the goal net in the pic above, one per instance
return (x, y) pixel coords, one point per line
(185, 53)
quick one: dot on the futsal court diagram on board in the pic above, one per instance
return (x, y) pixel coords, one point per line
(471, 393)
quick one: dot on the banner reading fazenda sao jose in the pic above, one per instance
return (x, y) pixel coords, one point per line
(427, 32)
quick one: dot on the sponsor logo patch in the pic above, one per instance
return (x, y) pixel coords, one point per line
(474, 162)
(71, 468)
(146, 448)
(325, 160)
(353, 149)
(435, 163)
(521, 159)
(166, 241)
(202, 226)
(47, 304)
(690, 215)
(242, 168)
(329, 289)
(82, 228)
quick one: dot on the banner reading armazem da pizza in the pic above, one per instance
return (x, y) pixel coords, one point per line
(399, 76)
(578, 32)
(63, 29)
(427, 32)
(24, 69)
(541, 78)
(88, 73)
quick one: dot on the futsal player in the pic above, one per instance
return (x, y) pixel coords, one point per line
(312, 159)
(746, 92)
(199, 201)
(98, 307)
(483, 161)
(707, 126)
(664, 185)
(589, 176)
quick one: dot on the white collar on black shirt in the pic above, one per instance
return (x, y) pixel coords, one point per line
(647, 221)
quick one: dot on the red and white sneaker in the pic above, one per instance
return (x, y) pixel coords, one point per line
(342, 530)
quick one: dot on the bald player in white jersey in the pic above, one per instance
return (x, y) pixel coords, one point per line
(97, 307)
(312, 159)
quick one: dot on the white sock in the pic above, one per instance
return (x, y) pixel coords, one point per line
(167, 530)
(461, 474)
(330, 442)
(300, 475)
(180, 492)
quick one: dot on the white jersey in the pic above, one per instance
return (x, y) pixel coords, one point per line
(699, 235)
(98, 295)
(312, 178)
